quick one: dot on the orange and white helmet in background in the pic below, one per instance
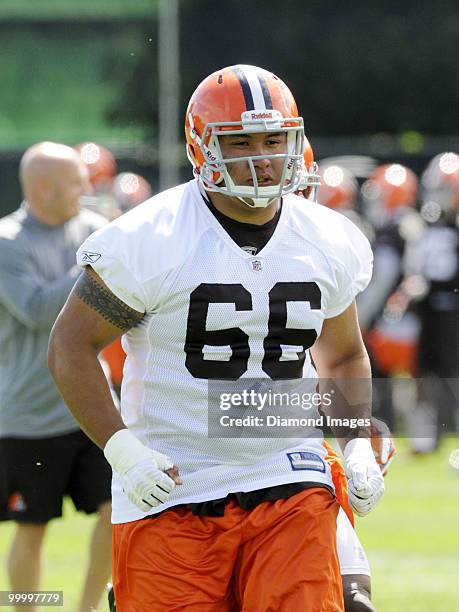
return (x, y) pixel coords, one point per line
(130, 189)
(390, 190)
(440, 181)
(310, 178)
(338, 188)
(392, 185)
(243, 99)
(101, 164)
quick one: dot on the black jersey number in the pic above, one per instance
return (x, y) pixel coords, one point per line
(279, 334)
(198, 336)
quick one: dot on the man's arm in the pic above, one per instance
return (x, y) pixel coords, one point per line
(340, 355)
(92, 318)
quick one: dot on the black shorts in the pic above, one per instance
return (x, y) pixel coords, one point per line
(35, 474)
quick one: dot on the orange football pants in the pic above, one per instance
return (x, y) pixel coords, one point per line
(279, 557)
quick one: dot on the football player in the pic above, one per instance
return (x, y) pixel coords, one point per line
(227, 277)
(336, 188)
(390, 196)
(130, 190)
(101, 165)
(339, 190)
(432, 263)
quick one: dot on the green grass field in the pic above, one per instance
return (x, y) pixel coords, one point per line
(412, 540)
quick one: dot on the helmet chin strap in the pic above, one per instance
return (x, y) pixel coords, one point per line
(250, 202)
(257, 202)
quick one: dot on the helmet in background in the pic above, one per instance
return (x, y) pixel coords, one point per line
(310, 180)
(338, 188)
(130, 189)
(440, 181)
(100, 162)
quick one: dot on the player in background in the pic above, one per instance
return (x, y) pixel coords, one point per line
(339, 190)
(432, 284)
(336, 188)
(101, 165)
(223, 278)
(389, 197)
(129, 190)
(43, 453)
(113, 194)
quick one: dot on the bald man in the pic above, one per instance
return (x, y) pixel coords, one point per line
(43, 453)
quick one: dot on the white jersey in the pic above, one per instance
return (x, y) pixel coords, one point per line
(214, 311)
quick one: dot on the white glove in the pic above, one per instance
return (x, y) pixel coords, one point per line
(141, 469)
(366, 483)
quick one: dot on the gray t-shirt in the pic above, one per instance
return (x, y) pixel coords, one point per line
(37, 272)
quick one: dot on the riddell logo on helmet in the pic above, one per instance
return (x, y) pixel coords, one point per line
(255, 116)
(210, 155)
(260, 115)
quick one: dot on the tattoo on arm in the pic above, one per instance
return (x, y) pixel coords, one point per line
(103, 301)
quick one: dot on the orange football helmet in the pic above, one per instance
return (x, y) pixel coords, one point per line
(392, 186)
(440, 181)
(338, 188)
(310, 179)
(130, 189)
(100, 162)
(243, 99)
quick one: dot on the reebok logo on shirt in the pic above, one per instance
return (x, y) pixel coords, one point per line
(91, 257)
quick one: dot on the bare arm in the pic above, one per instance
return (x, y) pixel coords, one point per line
(340, 354)
(92, 318)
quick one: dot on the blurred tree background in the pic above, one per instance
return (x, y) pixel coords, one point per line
(378, 78)
(355, 68)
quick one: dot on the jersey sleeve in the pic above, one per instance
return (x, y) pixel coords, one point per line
(111, 253)
(353, 263)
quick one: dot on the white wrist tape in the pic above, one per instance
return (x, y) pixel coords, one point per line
(141, 469)
(123, 451)
(360, 447)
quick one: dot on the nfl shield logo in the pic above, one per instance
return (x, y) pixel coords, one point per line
(257, 265)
